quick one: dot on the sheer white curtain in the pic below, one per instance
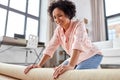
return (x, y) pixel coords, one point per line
(51, 25)
(50, 30)
(98, 23)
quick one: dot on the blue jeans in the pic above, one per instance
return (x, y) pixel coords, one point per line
(91, 63)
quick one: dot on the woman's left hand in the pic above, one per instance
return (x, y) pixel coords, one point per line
(61, 69)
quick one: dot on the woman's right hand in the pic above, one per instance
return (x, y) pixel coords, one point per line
(28, 68)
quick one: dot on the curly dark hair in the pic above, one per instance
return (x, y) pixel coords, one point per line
(66, 6)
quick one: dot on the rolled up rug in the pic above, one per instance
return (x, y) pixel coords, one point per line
(17, 71)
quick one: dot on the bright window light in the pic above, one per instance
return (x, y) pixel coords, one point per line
(2, 21)
(4, 2)
(112, 7)
(18, 4)
(15, 24)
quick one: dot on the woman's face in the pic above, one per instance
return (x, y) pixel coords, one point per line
(60, 18)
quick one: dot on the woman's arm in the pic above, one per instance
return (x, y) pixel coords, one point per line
(39, 65)
(47, 53)
(43, 60)
(72, 63)
(74, 58)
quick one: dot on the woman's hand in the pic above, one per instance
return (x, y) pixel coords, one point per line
(28, 68)
(61, 69)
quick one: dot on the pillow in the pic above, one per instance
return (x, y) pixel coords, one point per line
(104, 44)
(116, 43)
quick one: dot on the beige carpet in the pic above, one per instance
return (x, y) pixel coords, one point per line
(46, 73)
(4, 77)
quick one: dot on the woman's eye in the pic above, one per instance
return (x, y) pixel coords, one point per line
(60, 15)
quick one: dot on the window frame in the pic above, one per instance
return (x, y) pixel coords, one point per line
(108, 17)
(26, 14)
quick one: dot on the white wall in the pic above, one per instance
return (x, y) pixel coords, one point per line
(83, 8)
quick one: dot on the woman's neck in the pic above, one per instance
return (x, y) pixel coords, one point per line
(66, 26)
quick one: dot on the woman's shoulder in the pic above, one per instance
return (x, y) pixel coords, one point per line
(78, 25)
(78, 21)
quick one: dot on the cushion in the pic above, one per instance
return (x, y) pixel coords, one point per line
(116, 43)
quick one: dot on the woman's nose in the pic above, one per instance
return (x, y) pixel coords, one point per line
(57, 20)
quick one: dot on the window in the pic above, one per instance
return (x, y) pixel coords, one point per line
(33, 7)
(4, 2)
(3, 13)
(31, 27)
(15, 24)
(18, 5)
(19, 16)
(112, 17)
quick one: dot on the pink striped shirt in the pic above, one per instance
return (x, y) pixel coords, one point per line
(74, 38)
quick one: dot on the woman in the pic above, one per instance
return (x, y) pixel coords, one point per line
(72, 36)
